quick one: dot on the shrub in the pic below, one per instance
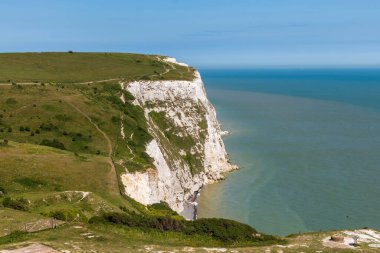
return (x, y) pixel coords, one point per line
(54, 143)
(2, 191)
(22, 129)
(140, 221)
(115, 119)
(161, 208)
(64, 214)
(223, 230)
(11, 101)
(9, 129)
(30, 182)
(48, 127)
(17, 204)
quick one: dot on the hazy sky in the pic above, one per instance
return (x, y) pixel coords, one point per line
(204, 33)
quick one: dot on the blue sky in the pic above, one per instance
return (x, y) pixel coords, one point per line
(204, 33)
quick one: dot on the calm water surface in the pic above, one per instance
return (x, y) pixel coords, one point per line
(308, 144)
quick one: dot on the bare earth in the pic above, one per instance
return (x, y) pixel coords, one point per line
(34, 248)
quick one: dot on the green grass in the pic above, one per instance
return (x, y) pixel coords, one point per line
(13, 237)
(44, 115)
(118, 238)
(13, 220)
(34, 172)
(85, 67)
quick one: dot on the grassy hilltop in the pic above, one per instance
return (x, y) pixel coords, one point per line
(85, 67)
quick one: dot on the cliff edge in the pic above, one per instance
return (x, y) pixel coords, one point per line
(187, 149)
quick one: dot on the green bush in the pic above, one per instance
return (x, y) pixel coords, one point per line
(30, 182)
(11, 101)
(223, 230)
(48, 126)
(2, 191)
(64, 214)
(140, 221)
(17, 204)
(162, 209)
(54, 143)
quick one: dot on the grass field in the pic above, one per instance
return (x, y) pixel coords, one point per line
(62, 150)
(49, 115)
(85, 67)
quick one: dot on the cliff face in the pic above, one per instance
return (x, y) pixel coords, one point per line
(187, 148)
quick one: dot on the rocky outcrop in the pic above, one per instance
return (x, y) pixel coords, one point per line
(187, 148)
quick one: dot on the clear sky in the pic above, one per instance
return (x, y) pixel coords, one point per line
(204, 33)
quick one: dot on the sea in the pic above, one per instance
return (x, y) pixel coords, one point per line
(307, 142)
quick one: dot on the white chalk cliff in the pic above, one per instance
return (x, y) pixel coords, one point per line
(187, 148)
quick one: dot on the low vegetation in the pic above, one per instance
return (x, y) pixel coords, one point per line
(76, 67)
(181, 143)
(62, 152)
(227, 232)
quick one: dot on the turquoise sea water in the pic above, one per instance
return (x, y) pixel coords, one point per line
(308, 144)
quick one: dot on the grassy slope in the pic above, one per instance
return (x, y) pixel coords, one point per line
(83, 67)
(37, 113)
(82, 122)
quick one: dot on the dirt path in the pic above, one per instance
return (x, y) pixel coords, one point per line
(34, 248)
(100, 81)
(109, 144)
(88, 82)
